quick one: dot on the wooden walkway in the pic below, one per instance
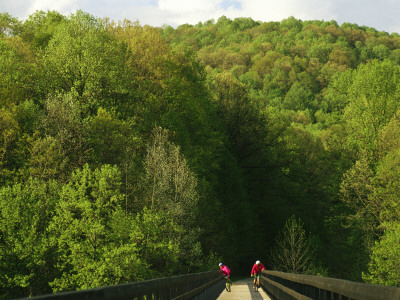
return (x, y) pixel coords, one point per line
(242, 290)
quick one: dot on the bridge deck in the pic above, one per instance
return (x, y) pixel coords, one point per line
(243, 289)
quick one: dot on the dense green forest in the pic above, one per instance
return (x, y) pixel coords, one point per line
(130, 152)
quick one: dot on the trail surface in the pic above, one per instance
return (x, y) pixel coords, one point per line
(242, 290)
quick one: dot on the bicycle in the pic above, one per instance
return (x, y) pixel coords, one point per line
(257, 279)
(227, 284)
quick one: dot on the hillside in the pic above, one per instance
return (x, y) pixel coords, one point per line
(130, 152)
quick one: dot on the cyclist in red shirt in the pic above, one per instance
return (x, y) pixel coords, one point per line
(256, 272)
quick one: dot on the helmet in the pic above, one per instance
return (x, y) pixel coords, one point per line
(257, 262)
(220, 264)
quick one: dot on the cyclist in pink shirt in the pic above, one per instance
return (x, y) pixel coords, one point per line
(225, 270)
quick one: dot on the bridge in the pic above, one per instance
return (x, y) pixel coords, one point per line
(211, 285)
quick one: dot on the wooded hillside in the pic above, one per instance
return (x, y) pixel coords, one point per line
(129, 152)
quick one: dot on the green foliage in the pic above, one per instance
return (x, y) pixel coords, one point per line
(251, 79)
(298, 98)
(294, 251)
(108, 138)
(168, 183)
(292, 23)
(61, 148)
(40, 27)
(384, 265)
(9, 26)
(320, 52)
(9, 139)
(82, 58)
(79, 229)
(356, 188)
(27, 257)
(99, 243)
(373, 102)
(15, 73)
(152, 149)
(29, 116)
(387, 187)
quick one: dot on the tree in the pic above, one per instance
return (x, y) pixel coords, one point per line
(389, 136)
(384, 265)
(320, 51)
(356, 190)
(147, 50)
(27, 258)
(100, 243)
(158, 240)
(293, 251)
(108, 138)
(336, 94)
(48, 159)
(298, 98)
(292, 23)
(374, 99)
(40, 27)
(9, 26)
(242, 121)
(83, 58)
(381, 52)
(80, 230)
(61, 147)
(9, 135)
(386, 188)
(266, 64)
(341, 59)
(16, 72)
(252, 79)
(168, 182)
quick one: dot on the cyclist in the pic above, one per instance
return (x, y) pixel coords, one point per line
(226, 271)
(256, 272)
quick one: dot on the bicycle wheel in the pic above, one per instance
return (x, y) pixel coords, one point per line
(228, 286)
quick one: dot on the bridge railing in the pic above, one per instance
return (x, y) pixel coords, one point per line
(285, 286)
(199, 286)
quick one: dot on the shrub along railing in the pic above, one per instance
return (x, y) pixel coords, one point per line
(199, 286)
(285, 286)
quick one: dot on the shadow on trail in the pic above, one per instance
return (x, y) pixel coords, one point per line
(254, 295)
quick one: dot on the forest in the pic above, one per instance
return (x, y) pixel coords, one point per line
(130, 152)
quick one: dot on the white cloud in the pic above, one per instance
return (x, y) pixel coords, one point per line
(64, 6)
(179, 6)
(382, 15)
(23, 8)
(189, 11)
(271, 10)
(16, 8)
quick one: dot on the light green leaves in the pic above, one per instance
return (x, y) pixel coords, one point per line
(293, 252)
(374, 99)
(169, 183)
(98, 243)
(25, 253)
(83, 57)
(384, 267)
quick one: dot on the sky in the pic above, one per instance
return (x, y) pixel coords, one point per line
(383, 15)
